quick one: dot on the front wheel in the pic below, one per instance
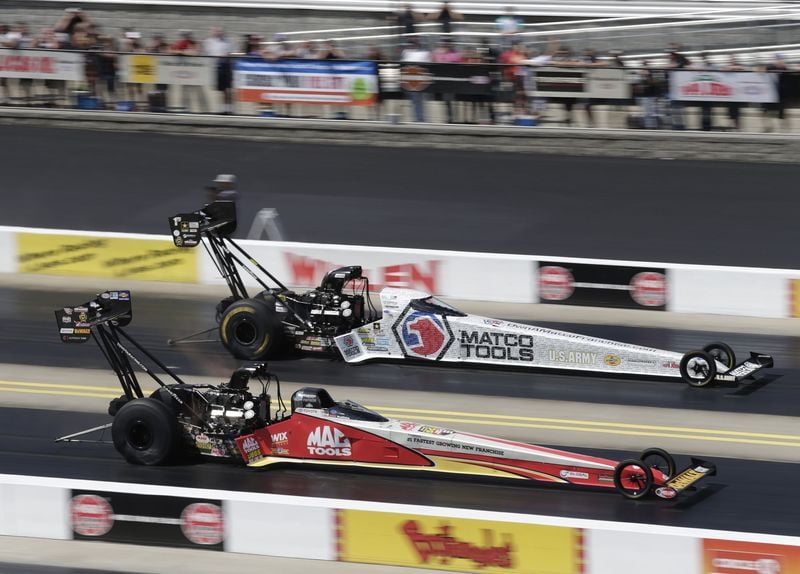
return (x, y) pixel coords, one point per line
(660, 460)
(250, 330)
(698, 368)
(633, 478)
(722, 353)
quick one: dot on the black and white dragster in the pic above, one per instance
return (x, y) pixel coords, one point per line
(338, 319)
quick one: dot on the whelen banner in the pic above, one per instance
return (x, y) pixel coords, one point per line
(602, 285)
(706, 86)
(457, 544)
(42, 65)
(336, 82)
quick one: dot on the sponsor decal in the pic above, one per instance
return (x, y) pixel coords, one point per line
(423, 334)
(66, 319)
(612, 360)
(555, 283)
(496, 346)
(642, 361)
(351, 348)
(328, 441)
(670, 365)
(687, 477)
(279, 442)
(574, 474)
(92, 515)
(733, 557)
(251, 449)
(649, 289)
(202, 523)
(424, 276)
(406, 426)
(666, 492)
(456, 544)
(434, 430)
(493, 322)
(572, 357)
(203, 443)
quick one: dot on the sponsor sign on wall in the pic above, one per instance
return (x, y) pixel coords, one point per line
(116, 257)
(606, 83)
(602, 285)
(337, 82)
(42, 65)
(173, 70)
(457, 544)
(729, 557)
(706, 86)
(794, 297)
(143, 519)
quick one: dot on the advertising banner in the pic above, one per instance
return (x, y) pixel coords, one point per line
(594, 83)
(145, 519)
(168, 69)
(336, 82)
(602, 285)
(729, 557)
(457, 544)
(115, 257)
(794, 290)
(457, 79)
(705, 86)
(301, 265)
(42, 65)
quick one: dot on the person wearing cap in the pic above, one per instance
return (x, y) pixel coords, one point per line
(224, 188)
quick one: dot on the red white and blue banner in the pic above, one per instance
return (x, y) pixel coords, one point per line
(333, 82)
(706, 86)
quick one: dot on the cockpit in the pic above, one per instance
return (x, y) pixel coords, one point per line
(316, 398)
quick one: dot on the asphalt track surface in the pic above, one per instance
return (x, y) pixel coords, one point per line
(611, 208)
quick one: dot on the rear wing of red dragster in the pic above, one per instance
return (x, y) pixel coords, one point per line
(103, 319)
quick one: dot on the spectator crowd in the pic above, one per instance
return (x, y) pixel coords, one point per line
(76, 30)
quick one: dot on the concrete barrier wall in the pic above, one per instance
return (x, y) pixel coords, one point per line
(740, 291)
(392, 534)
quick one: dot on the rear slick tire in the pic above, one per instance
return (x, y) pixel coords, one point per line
(698, 368)
(145, 432)
(630, 483)
(250, 330)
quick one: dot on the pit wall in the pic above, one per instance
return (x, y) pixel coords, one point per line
(739, 291)
(391, 534)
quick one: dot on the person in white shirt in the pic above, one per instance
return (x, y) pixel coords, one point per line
(218, 46)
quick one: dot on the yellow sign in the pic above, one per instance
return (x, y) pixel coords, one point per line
(142, 69)
(458, 544)
(115, 257)
(795, 297)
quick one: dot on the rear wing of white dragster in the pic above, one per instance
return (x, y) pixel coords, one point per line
(217, 218)
(75, 323)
